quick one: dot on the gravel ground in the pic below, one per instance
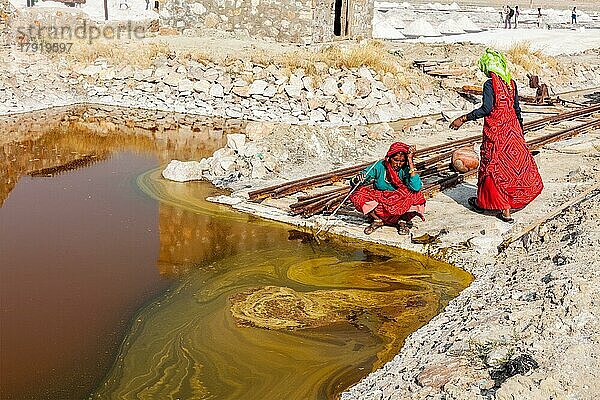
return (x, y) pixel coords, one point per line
(527, 328)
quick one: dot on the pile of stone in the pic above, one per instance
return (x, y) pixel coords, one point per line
(254, 92)
(242, 89)
(268, 151)
(240, 159)
(246, 90)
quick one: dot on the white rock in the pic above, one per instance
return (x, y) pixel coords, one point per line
(197, 8)
(317, 115)
(307, 81)
(185, 85)
(228, 163)
(330, 86)
(91, 70)
(236, 141)
(172, 79)
(258, 87)
(258, 169)
(216, 90)
(183, 171)
(349, 87)
(202, 86)
(295, 86)
(258, 130)
(270, 91)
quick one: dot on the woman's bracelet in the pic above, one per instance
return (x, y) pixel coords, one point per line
(410, 171)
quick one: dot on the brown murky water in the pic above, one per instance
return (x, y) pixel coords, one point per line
(118, 283)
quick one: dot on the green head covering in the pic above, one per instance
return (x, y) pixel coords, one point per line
(494, 61)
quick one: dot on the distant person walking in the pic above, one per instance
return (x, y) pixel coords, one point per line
(517, 13)
(574, 16)
(508, 19)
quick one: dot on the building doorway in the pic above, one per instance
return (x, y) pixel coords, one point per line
(341, 20)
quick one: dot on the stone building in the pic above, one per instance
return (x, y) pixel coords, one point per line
(296, 21)
(5, 14)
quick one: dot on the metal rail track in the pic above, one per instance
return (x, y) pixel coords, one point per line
(328, 201)
(437, 153)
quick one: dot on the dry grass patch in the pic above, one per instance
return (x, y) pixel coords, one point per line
(199, 56)
(532, 61)
(134, 54)
(371, 54)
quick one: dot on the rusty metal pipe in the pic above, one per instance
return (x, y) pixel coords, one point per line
(287, 188)
(564, 134)
(317, 195)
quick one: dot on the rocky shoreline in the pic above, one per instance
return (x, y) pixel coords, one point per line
(320, 94)
(527, 327)
(528, 324)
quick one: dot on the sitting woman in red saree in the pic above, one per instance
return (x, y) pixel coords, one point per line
(508, 177)
(389, 190)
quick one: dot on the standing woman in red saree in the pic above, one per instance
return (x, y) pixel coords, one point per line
(508, 176)
(390, 190)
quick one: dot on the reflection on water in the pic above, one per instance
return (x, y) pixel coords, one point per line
(269, 317)
(78, 251)
(235, 307)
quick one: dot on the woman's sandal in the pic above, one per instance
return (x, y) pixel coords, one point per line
(504, 218)
(403, 228)
(473, 203)
(373, 227)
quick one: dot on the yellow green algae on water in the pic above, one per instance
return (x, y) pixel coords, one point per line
(287, 320)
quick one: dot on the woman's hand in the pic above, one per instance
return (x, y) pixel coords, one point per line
(457, 123)
(411, 165)
(357, 180)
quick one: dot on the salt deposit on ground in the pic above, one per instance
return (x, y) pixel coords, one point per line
(118, 10)
(564, 16)
(442, 7)
(467, 25)
(378, 17)
(383, 30)
(396, 18)
(420, 27)
(551, 42)
(450, 26)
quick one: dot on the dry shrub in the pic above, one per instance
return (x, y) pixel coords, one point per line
(135, 54)
(371, 54)
(531, 60)
(260, 57)
(197, 55)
